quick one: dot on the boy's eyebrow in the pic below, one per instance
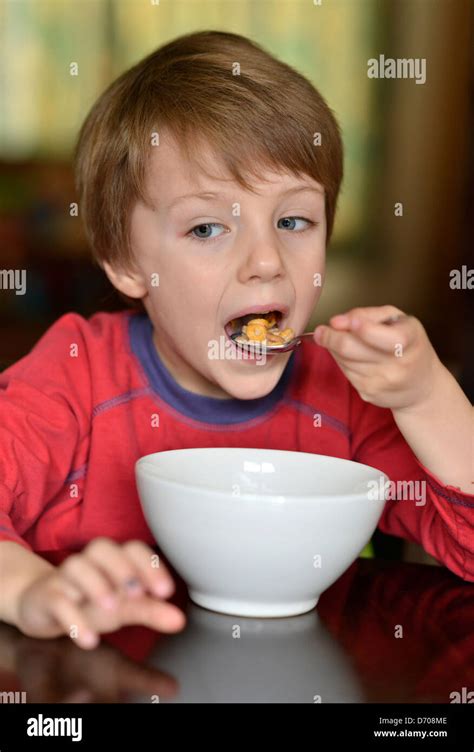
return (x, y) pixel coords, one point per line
(300, 189)
(209, 195)
(206, 196)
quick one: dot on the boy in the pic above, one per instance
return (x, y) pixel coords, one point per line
(205, 197)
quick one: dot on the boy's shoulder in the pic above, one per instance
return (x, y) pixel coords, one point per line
(74, 347)
(72, 330)
(98, 327)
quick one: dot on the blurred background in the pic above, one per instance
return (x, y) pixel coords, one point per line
(404, 142)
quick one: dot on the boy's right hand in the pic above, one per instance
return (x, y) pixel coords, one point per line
(107, 586)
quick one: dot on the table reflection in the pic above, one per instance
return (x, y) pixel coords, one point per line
(222, 658)
(384, 632)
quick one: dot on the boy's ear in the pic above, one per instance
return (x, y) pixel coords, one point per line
(129, 281)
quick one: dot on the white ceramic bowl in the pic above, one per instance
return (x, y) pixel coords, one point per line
(258, 532)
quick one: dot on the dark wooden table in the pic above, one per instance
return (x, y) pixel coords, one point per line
(384, 632)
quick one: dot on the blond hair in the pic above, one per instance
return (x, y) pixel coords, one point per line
(265, 117)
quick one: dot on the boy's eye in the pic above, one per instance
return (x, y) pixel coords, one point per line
(204, 231)
(289, 223)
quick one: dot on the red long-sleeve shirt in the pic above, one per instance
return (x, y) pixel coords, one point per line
(93, 396)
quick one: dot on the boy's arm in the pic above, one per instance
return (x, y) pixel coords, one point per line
(396, 375)
(45, 418)
(19, 568)
(421, 507)
(440, 431)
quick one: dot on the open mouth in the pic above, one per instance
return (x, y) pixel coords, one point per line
(264, 327)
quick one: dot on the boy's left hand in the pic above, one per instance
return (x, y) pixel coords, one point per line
(390, 365)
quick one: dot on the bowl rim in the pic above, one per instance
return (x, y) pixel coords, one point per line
(143, 466)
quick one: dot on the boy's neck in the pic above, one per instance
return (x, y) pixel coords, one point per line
(185, 376)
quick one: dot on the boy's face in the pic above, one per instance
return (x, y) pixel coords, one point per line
(253, 257)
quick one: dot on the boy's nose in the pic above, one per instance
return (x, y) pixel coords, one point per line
(263, 261)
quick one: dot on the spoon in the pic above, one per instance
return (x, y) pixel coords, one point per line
(292, 344)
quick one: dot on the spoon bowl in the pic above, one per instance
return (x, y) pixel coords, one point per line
(292, 344)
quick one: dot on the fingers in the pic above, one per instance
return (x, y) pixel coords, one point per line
(89, 580)
(113, 580)
(159, 615)
(112, 561)
(73, 622)
(346, 345)
(390, 339)
(105, 567)
(361, 334)
(154, 575)
(376, 314)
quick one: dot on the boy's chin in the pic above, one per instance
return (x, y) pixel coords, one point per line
(251, 385)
